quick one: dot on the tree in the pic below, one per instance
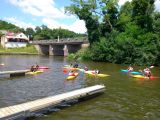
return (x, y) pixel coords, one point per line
(37, 29)
(7, 26)
(30, 32)
(141, 14)
(84, 10)
(124, 16)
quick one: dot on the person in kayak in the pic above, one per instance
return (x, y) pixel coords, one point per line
(71, 73)
(130, 68)
(85, 68)
(75, 65)
(33, 68)
(37, 67)
(96, 71)
(71, 65)
(147, 72)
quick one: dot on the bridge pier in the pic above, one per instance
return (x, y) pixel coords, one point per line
(51, 50)
(65, 49)
(42, 49)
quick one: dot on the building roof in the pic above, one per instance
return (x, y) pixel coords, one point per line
(16, 35)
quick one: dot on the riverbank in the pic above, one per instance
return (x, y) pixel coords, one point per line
(23, 51)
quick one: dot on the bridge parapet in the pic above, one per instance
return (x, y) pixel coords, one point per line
(60, 41)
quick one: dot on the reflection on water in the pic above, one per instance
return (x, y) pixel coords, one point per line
(125, 97)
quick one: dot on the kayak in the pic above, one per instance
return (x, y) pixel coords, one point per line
(98, 75)
(144, 77)
(34, 73)
(132, 72)
(101, 75)
(43, 67)
(92, 74)
(70, 77)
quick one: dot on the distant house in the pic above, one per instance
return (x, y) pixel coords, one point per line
(13, 40)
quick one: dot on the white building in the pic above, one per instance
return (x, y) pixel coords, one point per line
(12, 40)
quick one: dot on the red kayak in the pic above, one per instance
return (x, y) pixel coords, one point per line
(43, 67)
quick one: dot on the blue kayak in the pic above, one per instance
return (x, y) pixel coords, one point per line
(132, 72)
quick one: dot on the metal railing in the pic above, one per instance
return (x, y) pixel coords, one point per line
(68, 40)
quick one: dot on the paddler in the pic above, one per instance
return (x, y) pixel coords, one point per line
(130, 68)
(33, 68)
(147, 72)
(71, 73)
(75, 65)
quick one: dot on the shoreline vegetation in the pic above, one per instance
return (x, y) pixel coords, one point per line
(30, 50)
(127, 34)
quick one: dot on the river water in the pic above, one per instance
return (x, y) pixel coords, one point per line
(125, 98)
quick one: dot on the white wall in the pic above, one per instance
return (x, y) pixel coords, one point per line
(15, 44)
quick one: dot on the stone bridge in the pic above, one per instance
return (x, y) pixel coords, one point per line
(61, 47)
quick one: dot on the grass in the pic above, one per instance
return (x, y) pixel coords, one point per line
(30, 49)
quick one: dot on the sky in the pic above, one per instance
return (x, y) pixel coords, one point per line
(32, 13)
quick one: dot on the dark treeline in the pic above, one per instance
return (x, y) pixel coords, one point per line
(40, 32)
(128, 34)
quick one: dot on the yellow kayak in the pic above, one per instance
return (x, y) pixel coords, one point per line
(34, 73)
(145, 77)
(138, 76)
(96, 75)
(72, 77)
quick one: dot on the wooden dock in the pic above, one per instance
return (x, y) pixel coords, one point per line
(28, 108)
(14, 73)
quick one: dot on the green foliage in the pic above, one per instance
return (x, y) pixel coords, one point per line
(128, 34)
(40, 32)
(84, 54)
(71, 57)
(142, 11)
(9, 27)
(156, 23)
(43, 32)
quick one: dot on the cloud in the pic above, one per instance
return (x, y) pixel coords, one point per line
(19, 23)
(78, 26)
(121, 2)
(40, 8)
(50, 14)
